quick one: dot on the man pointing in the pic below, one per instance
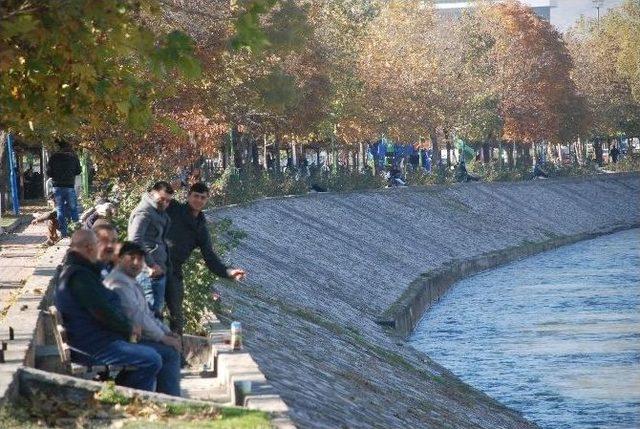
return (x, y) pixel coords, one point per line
(188, 230)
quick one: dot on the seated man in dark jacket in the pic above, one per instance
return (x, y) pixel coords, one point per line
(96, 327)
(188, 230)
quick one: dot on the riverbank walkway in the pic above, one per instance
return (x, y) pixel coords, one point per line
(19, 251)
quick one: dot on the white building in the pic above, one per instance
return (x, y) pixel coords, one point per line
(455, 8)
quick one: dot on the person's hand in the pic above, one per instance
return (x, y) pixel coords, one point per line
(156, 271)
(171, 341)
(136, 333)
(236, 274)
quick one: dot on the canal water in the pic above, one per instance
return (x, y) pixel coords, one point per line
(555, 336)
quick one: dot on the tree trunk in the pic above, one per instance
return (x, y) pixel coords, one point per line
(597, 149)
(435, 150)
(3, 173)
(276, 160)
(264, 152)
(236, 138)
(446, 137)
(486, 153)
(255, 157)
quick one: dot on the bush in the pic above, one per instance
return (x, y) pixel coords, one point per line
(198, 280)
(631, 162)
(494, 172)
(438, 176)
(569, 170)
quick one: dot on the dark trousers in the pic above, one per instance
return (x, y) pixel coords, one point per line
(174, 296)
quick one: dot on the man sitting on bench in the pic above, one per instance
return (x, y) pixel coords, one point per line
(96, 328)
(122, 280)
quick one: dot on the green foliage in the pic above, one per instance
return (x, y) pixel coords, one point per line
(347, 180)
(631, 162)
(249, 184)
(109, 395)
(198, 280)
(493, 172)
(567, 170)
(439, 176)
(248, 31)
(80, 65)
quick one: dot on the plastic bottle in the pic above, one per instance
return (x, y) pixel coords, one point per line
(236, 335)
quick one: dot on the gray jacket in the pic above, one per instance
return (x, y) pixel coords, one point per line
(148, 227)
(134, 305)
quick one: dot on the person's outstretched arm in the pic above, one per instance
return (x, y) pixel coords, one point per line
(212, 260)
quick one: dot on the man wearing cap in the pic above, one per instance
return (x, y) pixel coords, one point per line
(122, 280)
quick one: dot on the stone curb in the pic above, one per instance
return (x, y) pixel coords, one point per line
(17, 223)
(405, 313)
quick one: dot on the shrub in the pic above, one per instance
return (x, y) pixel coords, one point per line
(631, 162)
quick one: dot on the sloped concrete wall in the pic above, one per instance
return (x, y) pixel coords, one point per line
(324, 267)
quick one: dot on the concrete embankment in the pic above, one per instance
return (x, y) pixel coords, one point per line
(326, 269)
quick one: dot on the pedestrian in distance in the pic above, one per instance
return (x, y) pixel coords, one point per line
(62, 168)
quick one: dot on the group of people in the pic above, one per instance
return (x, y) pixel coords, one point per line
(112, 295)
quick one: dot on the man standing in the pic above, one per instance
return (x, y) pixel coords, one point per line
(148, 225)
(189, 230)
(96, 327)
(122, 280)
(62, 168)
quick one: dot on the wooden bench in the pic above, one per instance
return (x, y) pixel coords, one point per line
(100, 372)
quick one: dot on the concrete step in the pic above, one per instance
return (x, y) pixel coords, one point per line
(205, 389)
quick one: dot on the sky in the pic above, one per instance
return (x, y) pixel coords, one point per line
(567, 12)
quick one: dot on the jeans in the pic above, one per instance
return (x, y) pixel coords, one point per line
(154, 290)
(156, 365)
(147, 361)
(174, 296)
(168, 379)
(66, 203)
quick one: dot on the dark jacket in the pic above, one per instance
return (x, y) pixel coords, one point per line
(90, 312)
(185, 234)
(63, 167)
(148, 227)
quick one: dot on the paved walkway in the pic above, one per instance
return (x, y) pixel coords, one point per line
(18, 255)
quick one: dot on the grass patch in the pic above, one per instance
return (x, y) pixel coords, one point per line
(109, 408)
(228, 418)
(6, 221)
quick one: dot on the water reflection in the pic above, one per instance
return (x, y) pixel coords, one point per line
(556, 336)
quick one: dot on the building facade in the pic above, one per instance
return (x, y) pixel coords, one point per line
(455, 8)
